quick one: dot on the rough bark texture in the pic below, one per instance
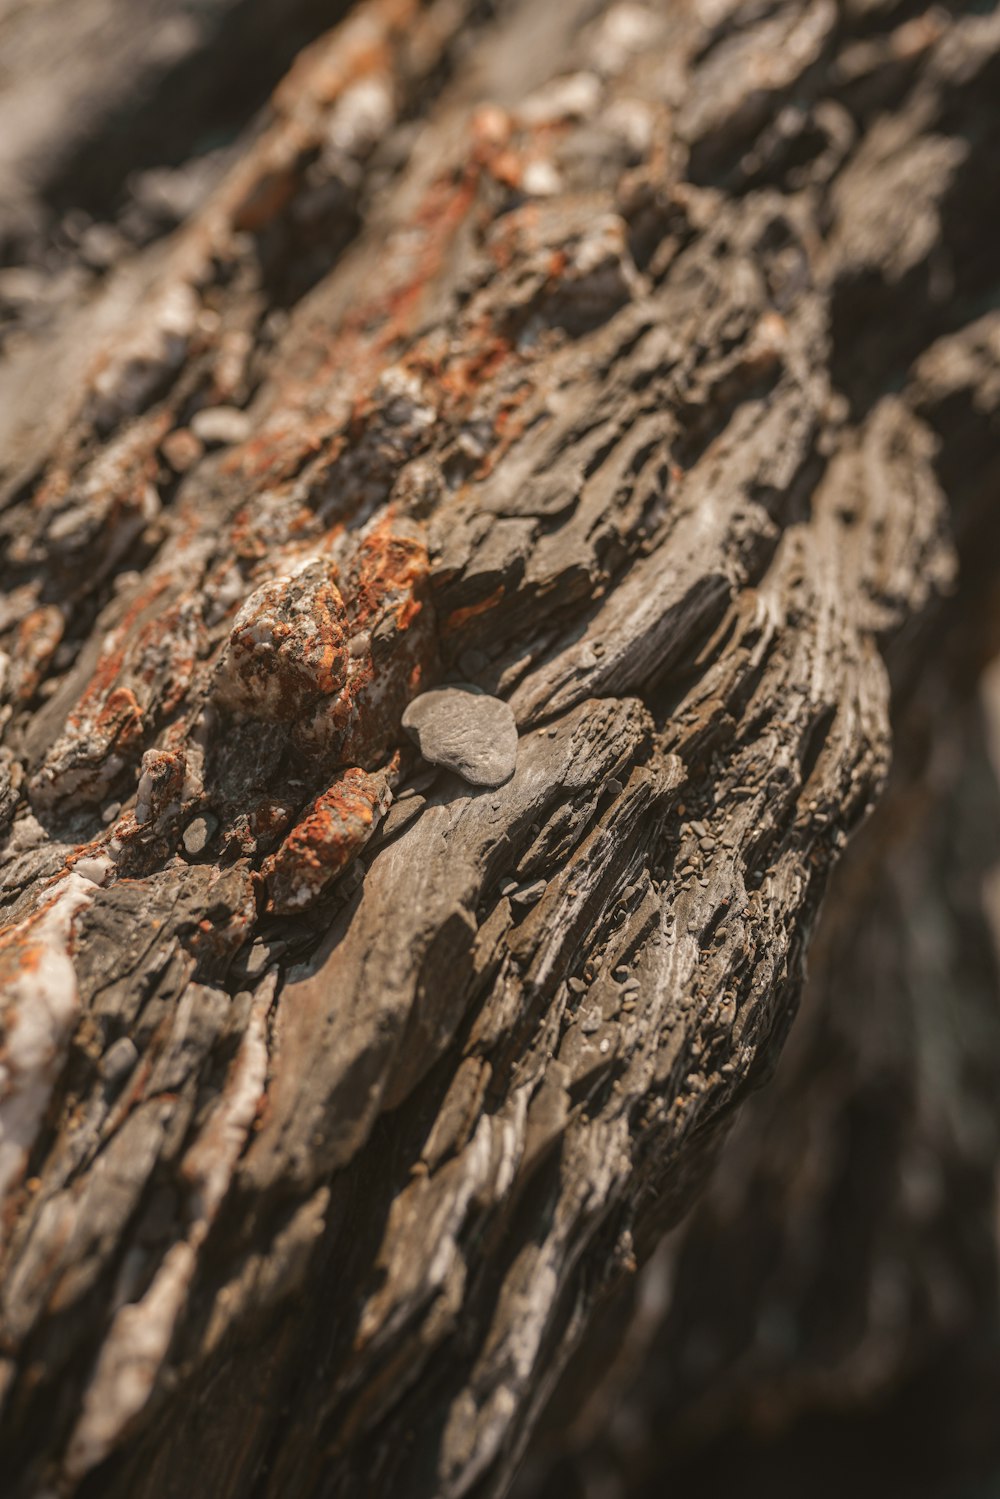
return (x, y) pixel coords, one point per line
(635, 365)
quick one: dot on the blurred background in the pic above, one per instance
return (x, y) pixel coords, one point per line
(827, 1319)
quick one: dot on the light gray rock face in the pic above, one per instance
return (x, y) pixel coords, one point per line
(465, 729)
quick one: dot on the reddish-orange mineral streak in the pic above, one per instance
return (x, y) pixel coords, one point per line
(337, 825)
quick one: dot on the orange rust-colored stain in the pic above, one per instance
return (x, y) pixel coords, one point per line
(388, 564)
(383, 320)
(38, 635)
(121, 719)
(458, 617)
(413, 262)
(508, 425)
(360, 45)
(111, 662)
(323, 842)
(483, 355)
(441, 215)
(29, 959)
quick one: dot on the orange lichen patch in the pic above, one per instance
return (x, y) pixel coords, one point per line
(247, 541)
(83, 852)
(91, 508)
(260, 189)
(459, 617)
(120, 722)
(39, 1004)
(460, 377)
(509, 423)
(441, 215)
(411, 265)
(389, 571)
(112, 660)
(38, 635)
(165, 652)
(392, 645)
(286, 650)
(335, 828)
(415, 258)
(278, 452)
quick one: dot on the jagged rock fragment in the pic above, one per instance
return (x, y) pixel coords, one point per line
(287, 647)
(336, 827)
(161, 785)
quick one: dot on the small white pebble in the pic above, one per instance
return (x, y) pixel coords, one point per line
(219, 425)
(96, 870)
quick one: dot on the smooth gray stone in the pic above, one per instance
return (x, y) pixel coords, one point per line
(465, 729)
(198, 833)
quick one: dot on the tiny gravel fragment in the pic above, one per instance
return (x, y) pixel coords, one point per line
(466, 730)
(221, 425)
(197, 834)
(529, 894)
(120, 1057)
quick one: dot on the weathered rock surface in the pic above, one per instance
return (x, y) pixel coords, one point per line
(633, 363)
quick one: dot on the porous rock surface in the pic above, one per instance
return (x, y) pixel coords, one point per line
(577, 344)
